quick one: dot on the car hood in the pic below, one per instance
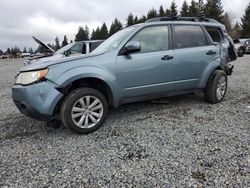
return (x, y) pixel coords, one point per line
(49, 61)
(49, 49)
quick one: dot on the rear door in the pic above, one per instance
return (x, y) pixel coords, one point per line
(192, 55)
(223, 42)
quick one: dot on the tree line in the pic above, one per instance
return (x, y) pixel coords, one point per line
(210, 9)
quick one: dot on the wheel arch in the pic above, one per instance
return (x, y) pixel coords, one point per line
(208, 73)
(92, 82)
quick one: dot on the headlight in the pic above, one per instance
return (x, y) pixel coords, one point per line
(26, 78)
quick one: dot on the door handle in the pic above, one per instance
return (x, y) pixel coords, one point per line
(210, 52)
(167, 57)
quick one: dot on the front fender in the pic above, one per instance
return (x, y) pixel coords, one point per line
(77, 73)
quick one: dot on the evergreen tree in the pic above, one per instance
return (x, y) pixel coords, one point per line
(236, 31)
(104, 34)
(86, 33)
(96, 34)
(65, 41)
(173, 9)
(30, 50)
(8, 51)
(213, 9)
(168, 12)
(24, 50)
(93, 35)
(246, 23)
(201, 7)
(136, 20)
(71, 41)
(82, 34)
(130, 20)
(115, 26)
(57, 44)
(193, 9)
(184, 9)
(227, 22)
(152, 14)
(16, 49)
(1, 52)
(142, 19)
(161, 12)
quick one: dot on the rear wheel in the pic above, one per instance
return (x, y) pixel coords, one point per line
(84, 110)
(216, 87)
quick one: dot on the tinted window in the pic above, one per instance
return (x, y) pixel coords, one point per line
(94, 45)
(187, 36)
(215, 34)
(77, 48)
(152, 39)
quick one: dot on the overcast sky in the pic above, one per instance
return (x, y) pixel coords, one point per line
(21, 19)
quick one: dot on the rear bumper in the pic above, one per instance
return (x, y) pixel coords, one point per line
(37, 101)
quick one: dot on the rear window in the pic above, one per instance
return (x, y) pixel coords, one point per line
(187, 36)
(215, 34)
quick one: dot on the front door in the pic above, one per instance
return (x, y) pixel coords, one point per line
(151, 70)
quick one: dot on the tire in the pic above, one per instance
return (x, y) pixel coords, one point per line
(76, 116)
(240, 52)
(215, 90)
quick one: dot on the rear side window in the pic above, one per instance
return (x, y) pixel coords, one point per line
(187, 36)
(215, 34)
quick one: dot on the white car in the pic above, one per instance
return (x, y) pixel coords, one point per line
(72, 49)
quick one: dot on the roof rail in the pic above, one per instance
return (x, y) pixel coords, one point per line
(177, 18)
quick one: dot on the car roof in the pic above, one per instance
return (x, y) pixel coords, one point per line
(183, 20)
(184, 23)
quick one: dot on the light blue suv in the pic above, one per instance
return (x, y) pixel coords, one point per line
(163, 57)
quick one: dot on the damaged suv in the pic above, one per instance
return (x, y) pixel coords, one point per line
(163, 57)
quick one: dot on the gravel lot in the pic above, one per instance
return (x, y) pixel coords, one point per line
(177, 142)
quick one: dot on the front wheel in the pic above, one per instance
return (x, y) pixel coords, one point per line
(84, 110)
(216, 87)
(240, 52)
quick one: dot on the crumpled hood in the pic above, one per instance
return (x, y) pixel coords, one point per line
(46, 62)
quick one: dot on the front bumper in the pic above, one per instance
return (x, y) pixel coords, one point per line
(37, 101)
(247, 49)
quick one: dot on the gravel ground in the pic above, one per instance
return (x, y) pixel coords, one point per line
(177, 142)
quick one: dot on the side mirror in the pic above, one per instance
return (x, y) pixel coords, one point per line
(67, 53)
(133, 46)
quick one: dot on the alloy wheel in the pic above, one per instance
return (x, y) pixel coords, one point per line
(87, 112)
(221, 87)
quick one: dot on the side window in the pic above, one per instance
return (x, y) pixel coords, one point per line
(187, 36)
(215, 34)
(152, 39)
(77, 48)
(94, 45)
